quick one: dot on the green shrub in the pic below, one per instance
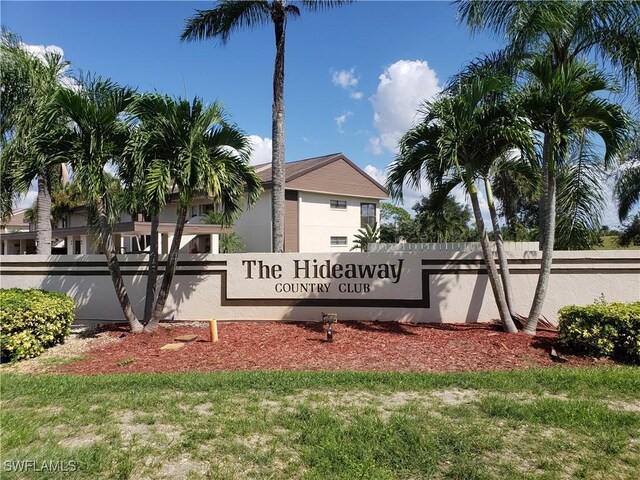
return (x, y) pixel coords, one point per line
(32, 320)
(601, 329)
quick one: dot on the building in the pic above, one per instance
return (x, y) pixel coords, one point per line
(327, 200)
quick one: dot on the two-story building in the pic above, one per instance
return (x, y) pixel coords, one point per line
(327, 200)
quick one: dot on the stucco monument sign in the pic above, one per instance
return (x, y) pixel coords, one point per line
(407, 286)
(327, 279)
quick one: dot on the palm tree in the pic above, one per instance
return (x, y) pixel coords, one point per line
(229, 16)
(581, 201)
(28, 84)
(561, 32)
(96, 135)
(365, 236)
(441, 218)
(194, 151)
(561, 104)
(452, 145)
(580, 197)
(627, 188)
(516, 188)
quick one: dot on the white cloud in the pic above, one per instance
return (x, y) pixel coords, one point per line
(403, 87)
(376, 173)
(344, 78)
(341, 119)
(347, 80)
(610, 214)
(410, 196)
(27, 200)
(375, 146)
(39, 51)
(261, 149)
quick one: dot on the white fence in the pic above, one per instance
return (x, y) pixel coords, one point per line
(449, 247)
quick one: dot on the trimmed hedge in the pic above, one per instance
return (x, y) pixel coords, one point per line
(602, 329)
(32, 320)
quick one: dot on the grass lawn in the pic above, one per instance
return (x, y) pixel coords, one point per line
(551, 423)
(609, 242)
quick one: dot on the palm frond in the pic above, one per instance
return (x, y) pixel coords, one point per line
(581, 199)
(627, 191)
(226, 18)
(319, 5)
(564, 30)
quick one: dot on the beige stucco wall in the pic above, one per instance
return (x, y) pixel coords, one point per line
(254, 225)
(432, 286)
(319, 222)
(168, 213)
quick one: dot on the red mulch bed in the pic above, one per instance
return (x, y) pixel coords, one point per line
(357, 346)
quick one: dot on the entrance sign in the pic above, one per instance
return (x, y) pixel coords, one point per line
(399, 286)
(325, 276)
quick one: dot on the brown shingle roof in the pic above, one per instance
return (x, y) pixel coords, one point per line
(298, 168)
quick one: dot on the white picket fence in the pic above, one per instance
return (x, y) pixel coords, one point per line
(448, 247)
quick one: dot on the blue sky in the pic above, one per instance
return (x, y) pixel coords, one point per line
(354, 75)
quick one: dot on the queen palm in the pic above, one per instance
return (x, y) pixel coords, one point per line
(229, 16)
(452, 145)
(194, 151)
(28, 85)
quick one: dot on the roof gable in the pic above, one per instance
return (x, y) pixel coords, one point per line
(333, 173)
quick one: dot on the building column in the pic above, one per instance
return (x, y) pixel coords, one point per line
(69, 242)
(215, 243)
(164, 243)
(117, 243)
(84, 239)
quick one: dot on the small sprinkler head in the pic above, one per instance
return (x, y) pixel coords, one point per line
(329, 335)
(329, 319)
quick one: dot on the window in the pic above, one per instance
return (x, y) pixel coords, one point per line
(337, 241)
(367, 214)
(194, 211)
(64, 223)
(338, 204)
(204, 209)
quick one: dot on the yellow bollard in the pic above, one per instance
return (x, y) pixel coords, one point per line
(213, 330)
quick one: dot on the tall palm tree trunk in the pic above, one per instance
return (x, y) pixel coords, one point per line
(277, 130)
(43, 222)
(492, 271)
(549, 177)
(114, 269)
(170, 269)
(152, 275)
(502, 255)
